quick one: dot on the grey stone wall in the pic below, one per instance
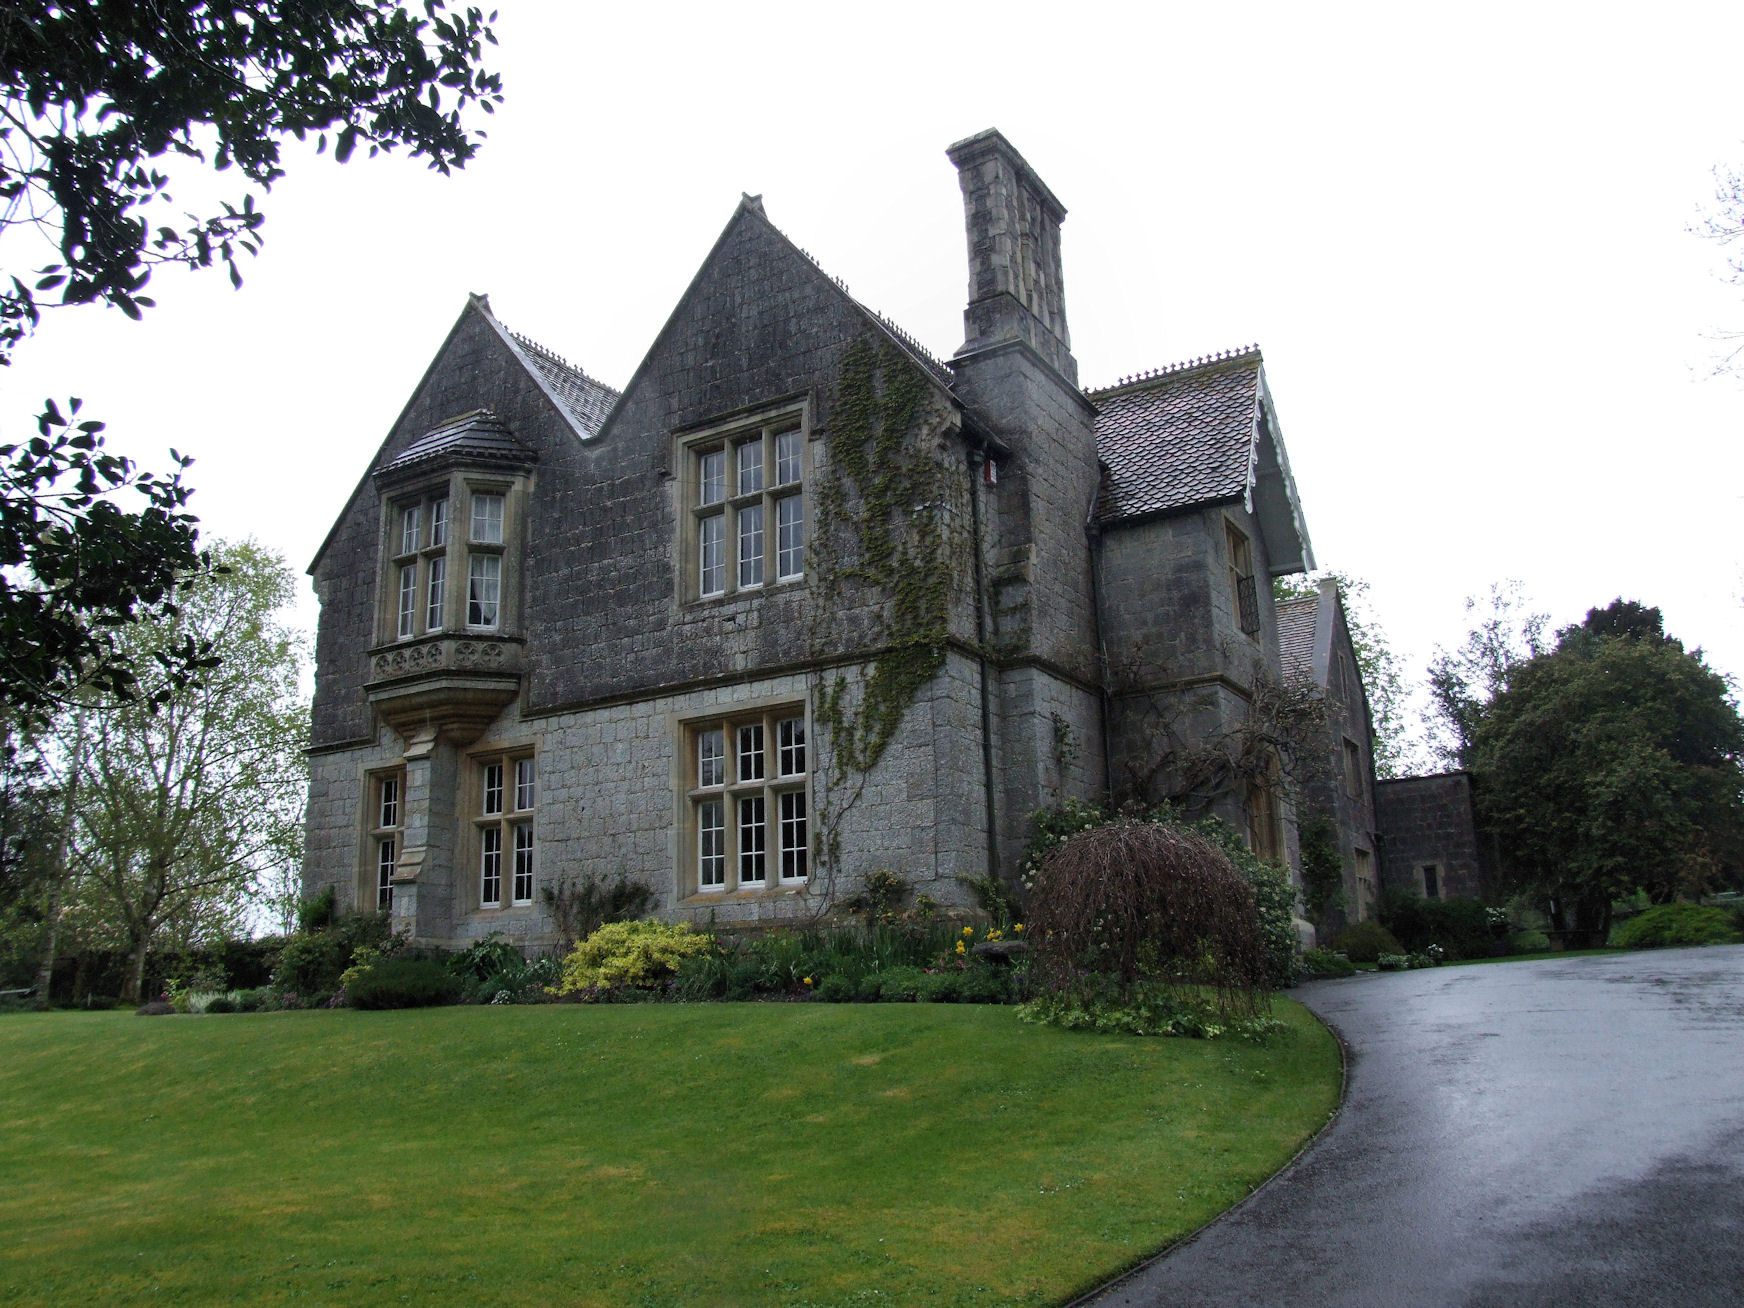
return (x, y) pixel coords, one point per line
(1347, 718)
(1430, 820)
(611, 801)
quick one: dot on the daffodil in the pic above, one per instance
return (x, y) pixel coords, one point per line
(1017, 927)
(968, 931)
(808, 980)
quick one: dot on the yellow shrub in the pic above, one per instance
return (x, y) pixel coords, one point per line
(631, 954)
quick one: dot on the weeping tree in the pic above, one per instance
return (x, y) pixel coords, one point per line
(1145, 901)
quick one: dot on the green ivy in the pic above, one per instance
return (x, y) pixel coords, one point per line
(884, 520)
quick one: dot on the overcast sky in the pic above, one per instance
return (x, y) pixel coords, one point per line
(1459, 239)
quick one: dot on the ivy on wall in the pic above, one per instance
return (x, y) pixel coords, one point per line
(890, 517)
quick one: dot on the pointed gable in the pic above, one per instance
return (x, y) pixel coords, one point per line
(1196, 434)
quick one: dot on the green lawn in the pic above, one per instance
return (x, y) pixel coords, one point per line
(784, 1154)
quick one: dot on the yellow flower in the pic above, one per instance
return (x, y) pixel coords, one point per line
(960, 947)
(808, 980)
(968, 931)
(1018, 927)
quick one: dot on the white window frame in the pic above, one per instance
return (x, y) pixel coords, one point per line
(745, 514)
(385, 813)
(746, 802)
(504, 806)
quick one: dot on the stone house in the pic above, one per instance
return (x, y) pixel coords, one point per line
(1430, 843)
(1314, 637)
(798, 603)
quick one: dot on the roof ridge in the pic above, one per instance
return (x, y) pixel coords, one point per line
(1235, 354)
(553, 356)
(940, 369)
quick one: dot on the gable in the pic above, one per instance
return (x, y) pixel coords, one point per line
(533, 410)
(1197, 434)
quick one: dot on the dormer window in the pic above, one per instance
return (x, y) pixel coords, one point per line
(454, 507)
(435, 583)
(484, 567)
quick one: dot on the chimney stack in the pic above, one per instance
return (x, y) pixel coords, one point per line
(1016, 292)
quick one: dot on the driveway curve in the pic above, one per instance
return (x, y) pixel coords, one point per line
(1556, 1132)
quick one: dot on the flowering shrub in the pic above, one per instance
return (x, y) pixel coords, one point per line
(631, 954)
(1327, 962)
(1148, 1009)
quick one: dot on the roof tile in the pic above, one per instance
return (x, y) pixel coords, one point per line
(1296, 635)
(1179, 437)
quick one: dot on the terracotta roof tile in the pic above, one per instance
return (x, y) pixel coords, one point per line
(1178, 437)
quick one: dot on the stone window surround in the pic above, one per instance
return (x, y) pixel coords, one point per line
(725, 434)
(376, 834)
(469, 862)
(1353, 769)
(457, 486)
(1238, 555)
(687, 732)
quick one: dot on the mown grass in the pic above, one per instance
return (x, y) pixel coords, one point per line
(795, 1155)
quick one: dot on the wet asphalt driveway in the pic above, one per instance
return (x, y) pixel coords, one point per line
(1557, 1132)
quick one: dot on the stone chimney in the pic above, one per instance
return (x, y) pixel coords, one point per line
(1016, 292)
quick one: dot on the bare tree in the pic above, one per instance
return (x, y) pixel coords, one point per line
(1723, 224)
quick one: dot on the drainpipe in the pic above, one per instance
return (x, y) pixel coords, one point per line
(977, 460)
(1093, 531)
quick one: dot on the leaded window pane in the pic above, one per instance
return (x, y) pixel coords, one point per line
(490, 892)
(523, 784)
(713, 562)
(712, 477)
(523, 864)
(751, 545)
(751, 752)
(711, 758)
(409, 530)
(711, 845)
(433, 607)
(487, 519)
(751, 466)
(752, 841)
(484, 590)
(787, 457)
(390, 802)
(790, 736)
(408, 599)
(493, 789)
(384, 875)
(794, 847)
(439, 521)
(789, 536)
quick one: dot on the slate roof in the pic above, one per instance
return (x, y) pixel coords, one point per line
(1179, 436)
(478, 437)
(1296, 635)
(587, 400)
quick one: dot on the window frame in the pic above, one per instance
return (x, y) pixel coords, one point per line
(440, 567)
(736, 846)
(1353, 768)
(1238, 552)
(496, 820)
(729, 494)
(381, 835)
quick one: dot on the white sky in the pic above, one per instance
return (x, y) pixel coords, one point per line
(1460, 240)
